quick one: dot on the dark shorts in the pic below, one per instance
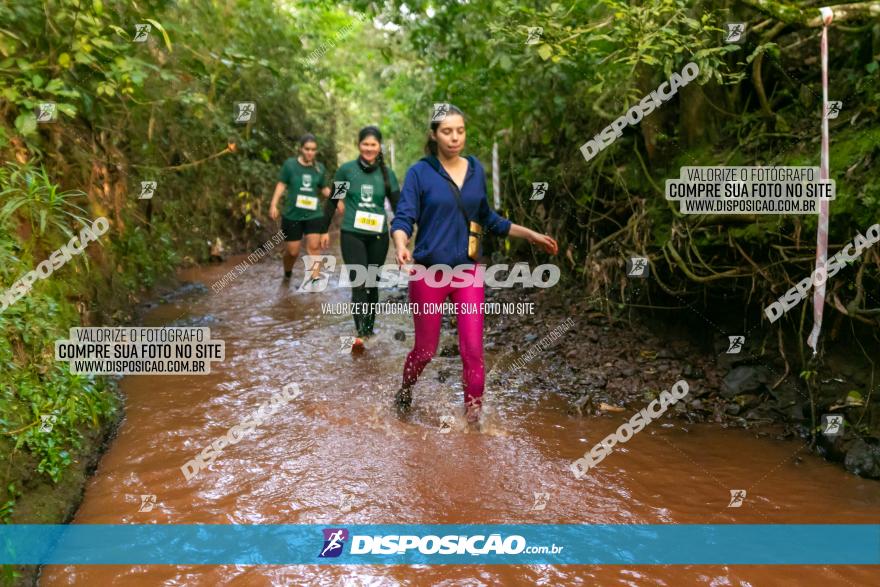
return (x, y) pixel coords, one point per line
(295, 229)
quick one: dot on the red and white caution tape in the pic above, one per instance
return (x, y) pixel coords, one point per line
(824, 207)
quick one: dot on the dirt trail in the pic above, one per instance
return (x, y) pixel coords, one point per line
(339, 455)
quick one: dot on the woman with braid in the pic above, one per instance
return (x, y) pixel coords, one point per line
(362, 186)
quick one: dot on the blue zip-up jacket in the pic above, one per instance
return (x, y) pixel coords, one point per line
(427, 200)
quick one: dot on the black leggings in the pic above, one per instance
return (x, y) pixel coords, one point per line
(365, 250)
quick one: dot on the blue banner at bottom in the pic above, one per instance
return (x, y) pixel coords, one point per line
(456, 544)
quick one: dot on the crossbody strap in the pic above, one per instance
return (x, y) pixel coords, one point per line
(457, 193)
(435, 163)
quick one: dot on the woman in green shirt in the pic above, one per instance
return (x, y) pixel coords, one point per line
(362, 185)
(304, 181)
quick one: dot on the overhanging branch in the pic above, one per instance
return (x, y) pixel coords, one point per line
(810, 17)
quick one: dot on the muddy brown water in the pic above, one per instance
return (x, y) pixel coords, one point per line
(339, 455)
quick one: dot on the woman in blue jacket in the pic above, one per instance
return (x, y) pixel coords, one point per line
(443, 194)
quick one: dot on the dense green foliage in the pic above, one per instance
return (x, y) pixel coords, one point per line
(160, 110)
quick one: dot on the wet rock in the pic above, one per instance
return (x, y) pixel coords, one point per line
(592, 336)
(794, 413)
(691, 372)
(732, 409)
(190, 288)
(747, 400)
(697, 404)
(593, 380)
(205, 320)
(627, 371)
(863, 459)
(531, 337)
(665, 353)
(698, 390)
(759, 413)
(449, 350)
(786, 394)
(400, 335)
(743, 379)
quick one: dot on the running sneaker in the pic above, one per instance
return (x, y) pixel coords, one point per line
(311, 283)
(403, 400)
(357, 347)
(473, 412)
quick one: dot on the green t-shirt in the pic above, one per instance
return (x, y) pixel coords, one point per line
(303, 200)
(365, 198)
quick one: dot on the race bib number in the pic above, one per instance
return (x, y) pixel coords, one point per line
(307, 202)
(369, 221)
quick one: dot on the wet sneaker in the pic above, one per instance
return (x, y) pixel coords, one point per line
(403, 400)
(473, 413)
(357, 347)
(311, 284)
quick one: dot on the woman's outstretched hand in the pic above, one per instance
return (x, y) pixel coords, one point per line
(545, 241)
(402, 254)
(404, 257)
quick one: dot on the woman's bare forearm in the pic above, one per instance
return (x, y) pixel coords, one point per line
(279, 190)
(517, 231)
(400, 239)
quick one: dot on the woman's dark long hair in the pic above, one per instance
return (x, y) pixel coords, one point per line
(373, 131)
(431, 145)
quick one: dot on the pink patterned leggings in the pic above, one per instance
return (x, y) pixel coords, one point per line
(470, 332)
